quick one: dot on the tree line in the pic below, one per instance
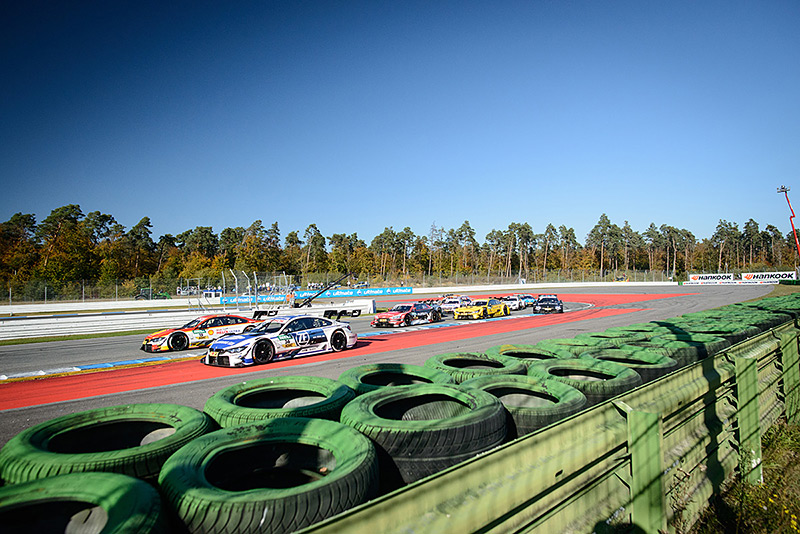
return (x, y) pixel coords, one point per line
(69, 245)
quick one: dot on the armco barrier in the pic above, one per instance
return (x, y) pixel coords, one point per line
(650, 457)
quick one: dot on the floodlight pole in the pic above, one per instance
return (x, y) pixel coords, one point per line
(785, 190)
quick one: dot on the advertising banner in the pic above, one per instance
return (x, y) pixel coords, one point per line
(769, 278)
(331, 293)
(716, 277)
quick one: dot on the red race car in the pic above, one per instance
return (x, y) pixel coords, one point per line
(197, 333)
(408, 314)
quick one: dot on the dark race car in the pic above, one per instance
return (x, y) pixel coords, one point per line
(548, 304)
(408, 314)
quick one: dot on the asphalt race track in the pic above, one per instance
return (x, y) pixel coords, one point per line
(187, 382)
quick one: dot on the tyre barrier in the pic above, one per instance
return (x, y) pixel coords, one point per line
(372, 376)
(282, 396)
(648, 365)
(462, 366)
(615, 337)
(573, 345)
(598, 380)
(422, 429)
(132, 439)
(531, 402)
(527, 354)
(105, 503)
(278, 475)
(419, 429)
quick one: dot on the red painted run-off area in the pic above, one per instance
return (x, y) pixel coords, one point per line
(90, 384)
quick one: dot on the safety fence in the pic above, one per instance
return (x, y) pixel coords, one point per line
(651, 457)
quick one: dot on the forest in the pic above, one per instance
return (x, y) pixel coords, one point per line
(69, 246)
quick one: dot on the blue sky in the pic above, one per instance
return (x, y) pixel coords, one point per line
(357, 116)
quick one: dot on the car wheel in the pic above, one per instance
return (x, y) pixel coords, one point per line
(435, 317)
(407, 320)
(263, 352)
(485, 313)
(338, 341)
(505, 310)
(178, 342)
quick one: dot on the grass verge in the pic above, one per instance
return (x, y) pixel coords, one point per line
(762, 508)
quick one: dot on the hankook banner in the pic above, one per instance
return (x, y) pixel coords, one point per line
(769, 277)
(717, 277)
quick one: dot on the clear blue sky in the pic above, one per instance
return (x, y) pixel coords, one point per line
(356, 115)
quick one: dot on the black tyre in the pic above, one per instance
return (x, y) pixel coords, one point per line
(527, 354)
(464, 365)
(407, 320)
(134, 439)
(338, 341)
(436, 316)
(648, 364)
(280, 396)
(178, 341)
(279, 475)
(263, 352)
(424, 428)
(372, 376)
(596, 379)
(82, 502)
(531, 402)
(505, 311)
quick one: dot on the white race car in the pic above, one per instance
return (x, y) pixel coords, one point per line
(281, 338)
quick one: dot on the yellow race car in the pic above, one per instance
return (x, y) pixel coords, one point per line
(482, 309)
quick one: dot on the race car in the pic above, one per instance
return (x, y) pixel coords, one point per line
(197, 333)
(548, 304)
(514, 302)
(481, 309)
(280, 338)
(528, 299)
(450, 303)
(408, 314)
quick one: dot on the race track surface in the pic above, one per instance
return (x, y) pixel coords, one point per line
(188, 382)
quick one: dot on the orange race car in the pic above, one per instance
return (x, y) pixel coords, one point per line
(197, 333)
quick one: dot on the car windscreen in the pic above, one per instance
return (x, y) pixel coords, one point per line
(191, 324)
(480, 302)
(268, 327)
(402, 308)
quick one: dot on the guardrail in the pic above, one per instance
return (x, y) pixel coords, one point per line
(651, 457)
(93, 323)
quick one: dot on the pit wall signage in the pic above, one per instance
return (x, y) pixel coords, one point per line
(746, 278)
(331, 293)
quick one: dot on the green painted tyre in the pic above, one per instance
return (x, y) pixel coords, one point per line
(531, 402)
(574, 345)
(733, 332)
(278, 475)
(280, 396)
(372, 376)
(648, 364)
(615, 338)
(597, 379)
(648, 330)
(132, 439)
(423, 428)
(465, 365)
(527, 354)
(103, 503)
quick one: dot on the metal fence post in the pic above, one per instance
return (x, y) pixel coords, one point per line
(646, 445)
(790, 361)
(748, 418)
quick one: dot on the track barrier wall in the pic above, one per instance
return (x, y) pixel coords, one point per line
(651, 457)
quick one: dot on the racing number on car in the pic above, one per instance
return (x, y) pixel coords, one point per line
(301, 338)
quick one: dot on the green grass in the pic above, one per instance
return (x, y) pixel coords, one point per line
(773, 506)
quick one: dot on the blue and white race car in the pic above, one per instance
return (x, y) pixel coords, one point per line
(281, 338)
